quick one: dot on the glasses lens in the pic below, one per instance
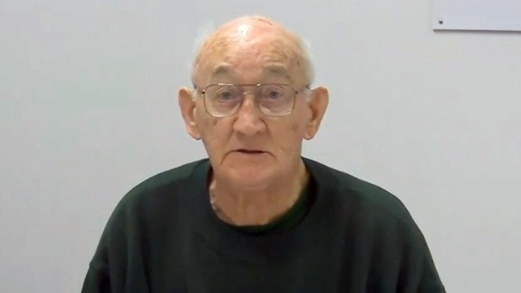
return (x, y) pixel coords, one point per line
(275, 100)
(272, 99)
(223, 100)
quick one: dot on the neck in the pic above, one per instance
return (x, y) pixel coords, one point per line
(243, 206)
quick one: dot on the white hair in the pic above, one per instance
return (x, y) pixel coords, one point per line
(306, 56)
(209, 28)
(204, 33)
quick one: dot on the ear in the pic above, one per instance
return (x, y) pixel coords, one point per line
(317, 105)
(187, 105)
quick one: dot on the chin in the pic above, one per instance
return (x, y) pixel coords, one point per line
(248, 171)
(251, 176)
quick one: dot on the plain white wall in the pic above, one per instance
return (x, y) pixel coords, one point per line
(88, 109)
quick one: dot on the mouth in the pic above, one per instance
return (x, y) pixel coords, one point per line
(250, 151)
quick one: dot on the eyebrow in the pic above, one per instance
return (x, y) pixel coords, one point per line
(278, 71)
(269, 70)
(221, 69)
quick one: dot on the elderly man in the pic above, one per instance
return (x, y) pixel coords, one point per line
(257, 216)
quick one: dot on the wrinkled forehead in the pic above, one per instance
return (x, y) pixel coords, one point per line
(251, 58)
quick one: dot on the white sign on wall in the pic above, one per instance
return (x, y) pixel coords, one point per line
(481, 15)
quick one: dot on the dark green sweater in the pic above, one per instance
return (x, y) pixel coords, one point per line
(343, 235)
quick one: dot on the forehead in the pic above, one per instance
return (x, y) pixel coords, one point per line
(246, 70)
(251, 59)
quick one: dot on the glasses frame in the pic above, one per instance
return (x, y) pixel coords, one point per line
(203, 91)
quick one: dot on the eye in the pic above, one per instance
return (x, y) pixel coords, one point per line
(226, 94)
(273, 93)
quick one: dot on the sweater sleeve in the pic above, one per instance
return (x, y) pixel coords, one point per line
(430, 281)
(96, 281)
(418, 273)
(117, 265)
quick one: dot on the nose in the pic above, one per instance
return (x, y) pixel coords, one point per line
(248, 120)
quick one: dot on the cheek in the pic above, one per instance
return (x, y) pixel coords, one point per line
(204, 121)
(298, 128)
(214, 133)
(288, 138)
(300, 119)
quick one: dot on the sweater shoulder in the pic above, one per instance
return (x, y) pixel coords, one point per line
(165, 179)
(166, 187)
(363, 197)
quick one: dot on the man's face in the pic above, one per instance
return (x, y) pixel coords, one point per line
(250, 148)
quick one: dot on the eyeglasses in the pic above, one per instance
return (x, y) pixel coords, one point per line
(272, 99)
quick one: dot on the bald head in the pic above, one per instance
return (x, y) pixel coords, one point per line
(250, 37)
